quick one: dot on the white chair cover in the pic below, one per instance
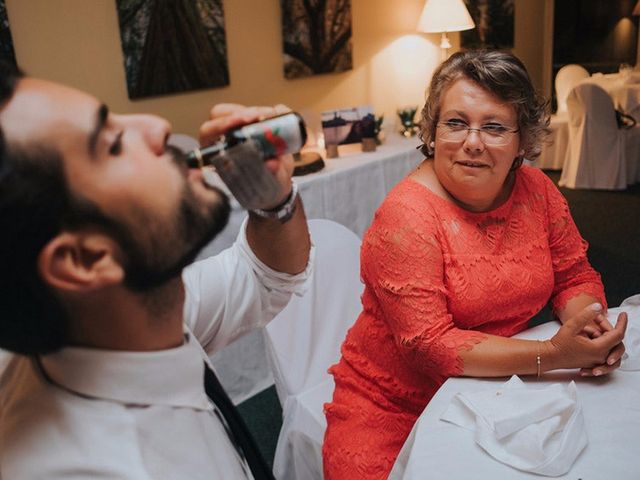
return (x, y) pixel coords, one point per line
(597, 149)
(632, 153)
(555, 153)
(305, 339)
(5, 358)
(556, 150)
(567, 78)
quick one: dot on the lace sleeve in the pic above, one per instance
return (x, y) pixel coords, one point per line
(402, 263)
(573, 274)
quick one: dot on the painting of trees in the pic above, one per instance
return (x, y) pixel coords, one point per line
(316, 37)
(494, 24)
(6, 42)
(172, 46)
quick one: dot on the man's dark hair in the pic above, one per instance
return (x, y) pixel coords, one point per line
(33, 199)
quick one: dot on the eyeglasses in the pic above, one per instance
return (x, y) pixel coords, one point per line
(493, 134)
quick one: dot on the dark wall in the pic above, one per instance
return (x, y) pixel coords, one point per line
(597, 34)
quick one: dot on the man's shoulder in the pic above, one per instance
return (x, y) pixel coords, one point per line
(44, 428)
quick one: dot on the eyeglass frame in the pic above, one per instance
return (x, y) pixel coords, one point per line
(479, 131)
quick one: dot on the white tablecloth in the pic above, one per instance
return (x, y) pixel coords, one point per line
(439, 450)
(348, 190)
(624, 90)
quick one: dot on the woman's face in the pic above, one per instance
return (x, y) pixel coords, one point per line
(473, 172)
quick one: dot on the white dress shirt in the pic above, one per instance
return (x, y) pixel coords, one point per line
(86, 413)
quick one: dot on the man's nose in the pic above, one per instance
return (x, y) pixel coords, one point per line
(154, 130)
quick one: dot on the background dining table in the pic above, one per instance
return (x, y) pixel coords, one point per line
(624, 89)
(440, 450)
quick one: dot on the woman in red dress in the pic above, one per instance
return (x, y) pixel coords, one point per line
(459, 257)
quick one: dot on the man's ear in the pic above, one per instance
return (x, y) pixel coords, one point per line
(77, 261)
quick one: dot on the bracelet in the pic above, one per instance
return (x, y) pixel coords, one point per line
(284, 211)
(538, 361)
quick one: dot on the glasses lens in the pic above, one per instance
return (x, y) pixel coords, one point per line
(495, 139)
(489, 136)
(452, 133)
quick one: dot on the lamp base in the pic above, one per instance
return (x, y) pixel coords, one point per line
(445, 45)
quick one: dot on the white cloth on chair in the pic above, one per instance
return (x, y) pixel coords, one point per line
(632, 153)
(556, 150)
(304, 340)
(597, 145)
(555, 153)
(567, 78)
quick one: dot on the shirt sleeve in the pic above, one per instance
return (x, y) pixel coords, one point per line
(402, 263)
(573, 274)
(233, 292)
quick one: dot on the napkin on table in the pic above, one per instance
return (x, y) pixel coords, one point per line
(537, 430)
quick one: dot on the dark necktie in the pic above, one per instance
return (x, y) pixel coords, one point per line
(237, 430)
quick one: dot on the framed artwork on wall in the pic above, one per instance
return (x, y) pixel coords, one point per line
(494, 24)
(316, 37)
(348, 125)
(7, 53)
(172, 46)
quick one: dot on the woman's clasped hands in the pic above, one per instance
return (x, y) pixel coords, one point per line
(587, 341)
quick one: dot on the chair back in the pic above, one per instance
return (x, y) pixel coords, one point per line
(590, 104)
(597, 158)
(5, 358)
(567, 78)
(304, 340)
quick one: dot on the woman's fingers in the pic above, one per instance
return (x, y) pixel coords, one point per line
(614, 357)
(599, 370)
(592, 331)
(614, 336)
(615, 354)
(585, 341)
(603, 323)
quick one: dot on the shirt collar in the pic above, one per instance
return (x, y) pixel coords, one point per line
(173, 377)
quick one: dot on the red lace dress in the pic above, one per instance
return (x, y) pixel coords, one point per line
(435, 277)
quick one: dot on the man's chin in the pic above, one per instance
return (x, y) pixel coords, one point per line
(141, 277)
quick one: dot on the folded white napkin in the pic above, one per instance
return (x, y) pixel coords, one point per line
(631, 357)
(537, 430)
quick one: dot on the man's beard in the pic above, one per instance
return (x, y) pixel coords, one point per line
(168, 251)
(154, 264)
(156, 251)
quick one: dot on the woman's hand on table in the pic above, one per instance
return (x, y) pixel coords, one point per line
(589, 342)
(615, 355)
(597, 326)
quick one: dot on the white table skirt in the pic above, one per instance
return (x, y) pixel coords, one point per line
(440, 450)
(348, 190)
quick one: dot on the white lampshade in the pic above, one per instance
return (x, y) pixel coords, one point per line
(445, 16)
(636, 9)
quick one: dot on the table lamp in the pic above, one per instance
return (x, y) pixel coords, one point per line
(444, 16)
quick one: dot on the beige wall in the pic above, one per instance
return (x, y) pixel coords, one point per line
(77, 42)
(529, 38)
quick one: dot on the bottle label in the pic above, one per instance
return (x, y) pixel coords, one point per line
(275, 136)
